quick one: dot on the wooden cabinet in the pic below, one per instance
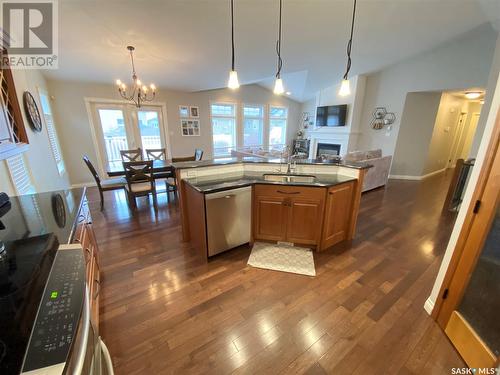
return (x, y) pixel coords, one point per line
(84, 235)
(270, 218)
(338, 210)
(304, 220)
(288, 213)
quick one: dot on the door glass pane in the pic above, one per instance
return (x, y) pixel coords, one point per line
(115, 135)
(253, 125)
(149, 129)
(480, 305)
(224, 135)
(277, 132)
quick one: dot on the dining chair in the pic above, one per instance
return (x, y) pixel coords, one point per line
(106, 185)
(131, 155)
(198, 154)
(161, 154)
(140, 180)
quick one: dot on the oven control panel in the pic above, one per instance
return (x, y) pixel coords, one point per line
(59, 311)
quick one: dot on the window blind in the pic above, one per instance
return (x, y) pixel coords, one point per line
(19, 175)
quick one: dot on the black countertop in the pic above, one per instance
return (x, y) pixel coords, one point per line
(226, 181)
(256, 160)
(35, 215)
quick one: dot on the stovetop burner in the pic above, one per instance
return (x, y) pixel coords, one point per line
(24, 270)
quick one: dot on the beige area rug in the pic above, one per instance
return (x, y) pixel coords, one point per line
(282, 258)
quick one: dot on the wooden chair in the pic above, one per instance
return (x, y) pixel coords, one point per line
(161, 154)
(198, 154)
(131, 155)
(140, 180)
(107, 185)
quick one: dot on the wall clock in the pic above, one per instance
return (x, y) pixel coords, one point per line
(32, 112)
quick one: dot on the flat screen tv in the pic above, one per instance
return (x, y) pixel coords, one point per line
(332, 115)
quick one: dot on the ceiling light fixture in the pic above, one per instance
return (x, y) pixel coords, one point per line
(345, 88)
(233, 82)
(278, 84)
(139, 93)
(472, 94)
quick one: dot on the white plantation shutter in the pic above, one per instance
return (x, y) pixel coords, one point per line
(51, 130)
(19, 175)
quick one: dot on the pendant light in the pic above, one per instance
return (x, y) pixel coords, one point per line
(232, 83)
(278, 84)
(345, 88)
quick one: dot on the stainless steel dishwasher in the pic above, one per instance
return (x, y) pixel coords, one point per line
(228, 219)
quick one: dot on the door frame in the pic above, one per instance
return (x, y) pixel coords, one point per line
(444, 306)
(90, 102)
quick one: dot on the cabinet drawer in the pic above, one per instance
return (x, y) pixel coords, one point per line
(290, 191)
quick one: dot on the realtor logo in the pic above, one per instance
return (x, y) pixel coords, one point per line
(29, 34)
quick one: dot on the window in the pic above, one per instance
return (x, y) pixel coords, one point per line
(223, 116)
(253, 125)
(277, 125)
(19, 175)
(51, 131)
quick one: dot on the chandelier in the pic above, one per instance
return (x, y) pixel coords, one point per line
(138, 92)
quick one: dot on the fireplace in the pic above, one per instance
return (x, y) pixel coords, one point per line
(327, 150)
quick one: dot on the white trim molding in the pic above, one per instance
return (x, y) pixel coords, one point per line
(429, 305)
(416, 178)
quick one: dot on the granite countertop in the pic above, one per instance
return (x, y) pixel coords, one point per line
(226, 181)
(33, 215)
(256, 160)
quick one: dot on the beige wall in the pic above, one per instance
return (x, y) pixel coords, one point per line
(75, 133)
(39, 158)
(461, 63)
(415, 133)
(444, 132)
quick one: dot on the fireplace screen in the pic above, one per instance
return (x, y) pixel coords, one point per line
(327, 150)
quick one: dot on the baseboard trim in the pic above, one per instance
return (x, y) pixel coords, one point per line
(416, 178)
(434, 173)
(404, 177)
(429, 306)
(84, 184)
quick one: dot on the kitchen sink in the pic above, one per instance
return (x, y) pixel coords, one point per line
(289, 178)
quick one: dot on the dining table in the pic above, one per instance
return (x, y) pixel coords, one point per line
(115, 168)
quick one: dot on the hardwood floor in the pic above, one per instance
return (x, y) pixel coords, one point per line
(163, 312)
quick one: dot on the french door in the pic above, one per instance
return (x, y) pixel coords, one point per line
(122, 126)
(470, 312)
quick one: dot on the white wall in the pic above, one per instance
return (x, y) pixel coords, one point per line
(444, 132)
(461, 63)
(490, 109)
(75, 133)
(417, 124)
(39, 158)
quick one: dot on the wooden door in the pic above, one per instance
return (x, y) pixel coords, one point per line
(469, 310)
(304, 221)
(270, 218)
(337, 214)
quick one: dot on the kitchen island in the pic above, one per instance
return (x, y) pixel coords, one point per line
(316, 205)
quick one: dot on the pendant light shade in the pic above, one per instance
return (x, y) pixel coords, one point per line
(345, 88)
(233, 82)
(278, 84)
(278, 87)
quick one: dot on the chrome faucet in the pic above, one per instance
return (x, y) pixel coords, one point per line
(288, 160)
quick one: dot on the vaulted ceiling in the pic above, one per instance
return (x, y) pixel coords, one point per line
(184, 44)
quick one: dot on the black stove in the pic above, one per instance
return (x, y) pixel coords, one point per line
(31, 230)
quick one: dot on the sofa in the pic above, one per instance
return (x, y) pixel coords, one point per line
(377, 175)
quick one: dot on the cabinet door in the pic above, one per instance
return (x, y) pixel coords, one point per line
(304, 221)
(270, 218)
(337, 214)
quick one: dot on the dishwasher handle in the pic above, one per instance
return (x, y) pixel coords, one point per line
(227, 194)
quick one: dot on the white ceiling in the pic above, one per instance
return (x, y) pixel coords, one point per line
(184, 44)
